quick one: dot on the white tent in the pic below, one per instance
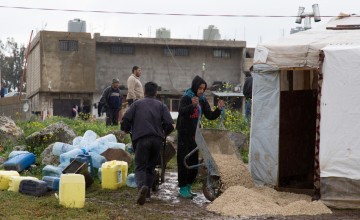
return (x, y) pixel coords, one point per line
(306, 113)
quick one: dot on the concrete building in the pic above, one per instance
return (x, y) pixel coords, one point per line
(67, 68)
(60, 71)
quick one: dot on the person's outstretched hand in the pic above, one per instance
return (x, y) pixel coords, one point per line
(220, 104)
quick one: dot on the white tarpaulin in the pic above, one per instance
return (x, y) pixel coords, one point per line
(263, 158)
(339, 148)
(302, 49)
(340, 112)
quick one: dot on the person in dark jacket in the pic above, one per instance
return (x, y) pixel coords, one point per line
(192, 105)
(150, 121)
(111, 101)
(247, 91)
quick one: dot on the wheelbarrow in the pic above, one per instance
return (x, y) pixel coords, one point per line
(219, 141)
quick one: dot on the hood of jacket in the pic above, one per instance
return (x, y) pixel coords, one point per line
(197, 81)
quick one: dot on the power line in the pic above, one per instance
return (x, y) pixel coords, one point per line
(163, 14)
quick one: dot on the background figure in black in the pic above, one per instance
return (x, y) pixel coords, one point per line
(74, 111)
(247, 91)
(111, 100)
(150, 121)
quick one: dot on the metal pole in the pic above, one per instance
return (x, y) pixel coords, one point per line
(24, 70)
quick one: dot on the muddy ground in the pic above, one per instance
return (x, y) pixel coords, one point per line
(165, 204)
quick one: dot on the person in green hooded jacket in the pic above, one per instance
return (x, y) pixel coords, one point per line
(193, 105)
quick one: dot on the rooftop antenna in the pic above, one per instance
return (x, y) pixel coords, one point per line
(307, 16)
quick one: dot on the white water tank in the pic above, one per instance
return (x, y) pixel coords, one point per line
(211, 33)
(76, 25)
(163, 33)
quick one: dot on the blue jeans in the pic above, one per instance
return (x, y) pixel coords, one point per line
(248, 109)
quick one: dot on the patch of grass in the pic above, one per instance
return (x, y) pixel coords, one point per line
(172, 164)
(245, 155)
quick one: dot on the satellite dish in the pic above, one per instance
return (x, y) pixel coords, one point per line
(26, 107)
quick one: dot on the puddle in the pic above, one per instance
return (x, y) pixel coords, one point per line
(168, 191)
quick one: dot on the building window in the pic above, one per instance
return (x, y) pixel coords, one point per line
(178, 51)
(68, 45)
(221, 53)
(122, 49)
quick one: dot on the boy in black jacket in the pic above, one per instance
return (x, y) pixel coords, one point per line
(192, 105)
(150, 121)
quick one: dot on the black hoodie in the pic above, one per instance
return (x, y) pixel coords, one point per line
(188, 114)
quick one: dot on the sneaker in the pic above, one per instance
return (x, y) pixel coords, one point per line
(142, 195)
(189, 188)
(184, 192)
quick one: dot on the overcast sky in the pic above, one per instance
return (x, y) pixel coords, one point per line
(18, 23)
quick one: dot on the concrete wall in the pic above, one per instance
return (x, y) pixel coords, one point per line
(83, 74)
(171, 73)
(63, 71)
(13, 107)
(33, 74)
(56, 74)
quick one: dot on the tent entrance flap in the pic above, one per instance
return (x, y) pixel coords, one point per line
(297, 135)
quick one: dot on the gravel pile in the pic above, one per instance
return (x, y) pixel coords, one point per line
(233, 171)
(264, 201)
(242, 198)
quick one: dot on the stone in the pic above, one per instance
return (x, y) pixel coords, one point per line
(2, 160)
(58, 132)
(9, 131)
(48, 158)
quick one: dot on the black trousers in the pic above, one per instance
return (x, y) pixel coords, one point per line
(186, 143)
(147, 153)
(112, 117)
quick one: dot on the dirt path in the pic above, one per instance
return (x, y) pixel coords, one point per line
(167, 202)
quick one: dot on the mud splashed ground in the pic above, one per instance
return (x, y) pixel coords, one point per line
(169, 192)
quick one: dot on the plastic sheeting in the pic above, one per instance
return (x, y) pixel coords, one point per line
(340, 113)
(340, 192)
(302, 49)
(264, 138)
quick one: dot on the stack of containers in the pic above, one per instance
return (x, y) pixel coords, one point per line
(14, 182)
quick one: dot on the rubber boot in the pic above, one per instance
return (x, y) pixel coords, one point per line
(191, 192)
(184, 192)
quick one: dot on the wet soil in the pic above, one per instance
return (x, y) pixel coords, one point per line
(168, 204)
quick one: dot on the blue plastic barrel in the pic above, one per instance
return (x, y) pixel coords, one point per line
(20, 162)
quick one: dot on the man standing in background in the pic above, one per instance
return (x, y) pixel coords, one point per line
(247, 91)
(135, 89)
(111, 101)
